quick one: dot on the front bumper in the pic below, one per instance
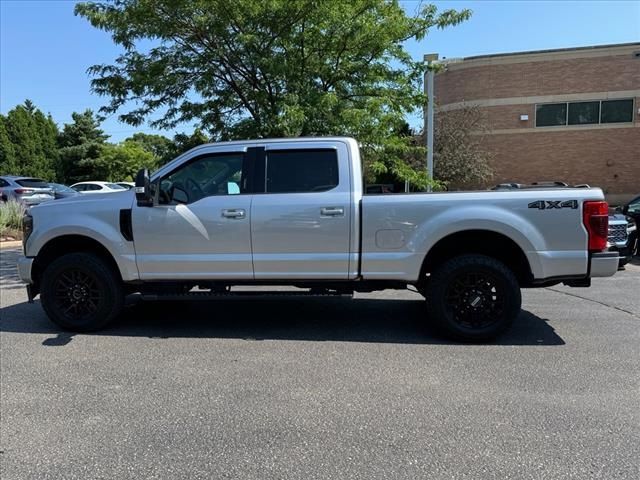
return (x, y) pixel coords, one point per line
(604, 264)
(25, 265)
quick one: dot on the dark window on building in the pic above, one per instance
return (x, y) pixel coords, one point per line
(581, 113)
(551, 114)
(617, 111)
(296, 171)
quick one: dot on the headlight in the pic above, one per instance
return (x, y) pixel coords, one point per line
(27, 228)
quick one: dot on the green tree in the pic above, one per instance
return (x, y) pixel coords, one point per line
(460, 158)
(271, 68)
(28, 142)
(121, 162)
(183, 142)
(81, 143)
(162, 148)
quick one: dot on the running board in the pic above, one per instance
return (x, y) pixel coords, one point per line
(191, 296)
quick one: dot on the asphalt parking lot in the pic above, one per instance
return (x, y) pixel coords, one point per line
(323, 388)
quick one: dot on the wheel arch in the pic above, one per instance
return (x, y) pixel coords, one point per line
(483, 242)
(73, 243)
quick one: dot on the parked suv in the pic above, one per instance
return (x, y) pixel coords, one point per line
(618, 237)
(632, 211)
(26, 190)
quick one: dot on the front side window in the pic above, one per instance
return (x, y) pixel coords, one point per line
(551, 114)
(298, 171)
(202, 177)
(617, 111)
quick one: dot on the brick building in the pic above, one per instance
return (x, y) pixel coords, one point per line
(570, 114)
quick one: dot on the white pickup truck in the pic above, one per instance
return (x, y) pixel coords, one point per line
(293, 212)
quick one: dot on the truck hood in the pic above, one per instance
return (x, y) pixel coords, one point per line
(86, 203)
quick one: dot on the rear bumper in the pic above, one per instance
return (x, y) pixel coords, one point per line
(604, 264)
(25, 265)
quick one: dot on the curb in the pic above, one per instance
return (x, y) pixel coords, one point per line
(11, 244)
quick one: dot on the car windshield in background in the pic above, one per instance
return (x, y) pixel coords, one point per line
(61, 188)
(115, 186)
(32, 183)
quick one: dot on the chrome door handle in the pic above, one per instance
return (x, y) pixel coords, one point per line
(233, 213)
(332, 212)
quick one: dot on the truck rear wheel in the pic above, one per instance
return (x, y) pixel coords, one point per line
(473, 298)
(81, 292)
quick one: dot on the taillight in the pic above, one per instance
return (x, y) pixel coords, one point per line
(595, 216)
(22, 191)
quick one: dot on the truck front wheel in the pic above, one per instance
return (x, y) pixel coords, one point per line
(81, 292)
(473, 298)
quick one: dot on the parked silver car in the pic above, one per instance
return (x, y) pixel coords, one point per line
(26, 190)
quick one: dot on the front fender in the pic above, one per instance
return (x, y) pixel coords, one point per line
(96, 227)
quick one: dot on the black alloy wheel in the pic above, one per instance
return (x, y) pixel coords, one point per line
(81, 292)
(473, 298)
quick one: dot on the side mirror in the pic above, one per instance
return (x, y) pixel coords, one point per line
(143, 189)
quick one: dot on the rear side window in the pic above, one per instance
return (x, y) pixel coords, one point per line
(297, 171)
(32, 183)
(115, 186)
(3, 183)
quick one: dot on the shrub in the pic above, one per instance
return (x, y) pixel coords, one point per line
(11, 214)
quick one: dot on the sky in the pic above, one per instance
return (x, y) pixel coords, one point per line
(45, 50)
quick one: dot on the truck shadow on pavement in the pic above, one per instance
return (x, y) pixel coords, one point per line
(337, 320)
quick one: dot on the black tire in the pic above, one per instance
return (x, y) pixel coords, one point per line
(473, 298)
(81, 292)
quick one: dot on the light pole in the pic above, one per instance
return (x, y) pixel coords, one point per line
(428, 117)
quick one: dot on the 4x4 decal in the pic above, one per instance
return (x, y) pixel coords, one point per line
(552, 204)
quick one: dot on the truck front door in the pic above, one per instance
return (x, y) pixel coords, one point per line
(199, 225)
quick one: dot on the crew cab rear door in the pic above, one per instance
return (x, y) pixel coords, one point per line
(301, 219)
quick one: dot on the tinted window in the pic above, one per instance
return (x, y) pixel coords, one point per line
(32, 183)
(3, 183)
(115, 186)
(581, 113)
(615, 111)
(298, 171)
(551, 114)
(204, 177)
(634, 205)
(94, 187)
(79, 188)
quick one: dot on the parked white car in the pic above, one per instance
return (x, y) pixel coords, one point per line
(97, 187)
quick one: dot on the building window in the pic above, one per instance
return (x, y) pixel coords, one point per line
(584, 113)
(617, 111)
(551, 114)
